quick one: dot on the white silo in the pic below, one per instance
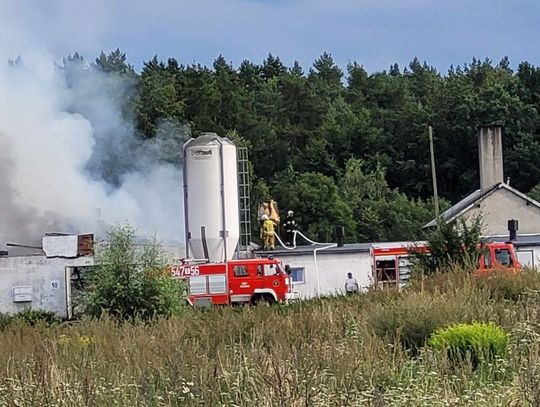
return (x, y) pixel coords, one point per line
(211, 198)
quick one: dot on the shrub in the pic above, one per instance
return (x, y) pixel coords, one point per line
(414, 317)
(129, 283)
(453, 279)
(37, 317)
(481, 342)
(5, 321)
(508, 286)
(29, 317)
(455, 244)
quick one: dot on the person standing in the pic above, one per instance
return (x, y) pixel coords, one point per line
(290, 227)
(351, 285)
(267, 233)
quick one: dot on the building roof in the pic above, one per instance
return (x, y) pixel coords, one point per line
(309, 249)
(14, 251)
(521, 240)
(475, 198)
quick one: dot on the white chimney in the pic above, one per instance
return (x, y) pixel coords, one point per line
(490, 155)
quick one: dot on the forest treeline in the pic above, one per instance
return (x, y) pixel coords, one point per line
(345, 147)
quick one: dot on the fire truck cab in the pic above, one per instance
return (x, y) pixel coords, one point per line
(498, 256)
(243, 281)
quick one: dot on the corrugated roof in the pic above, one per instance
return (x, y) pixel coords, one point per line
(476, 197)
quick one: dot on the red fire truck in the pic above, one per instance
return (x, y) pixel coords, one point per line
(243, 281)
(392, 262)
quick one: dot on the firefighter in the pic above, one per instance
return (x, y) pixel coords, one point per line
(290, 227)
(267, 233)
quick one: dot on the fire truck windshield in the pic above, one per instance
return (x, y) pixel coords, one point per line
(503, 257)
(281, 269)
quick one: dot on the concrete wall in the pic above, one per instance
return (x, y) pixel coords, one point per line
(503, 205)
(490, 156)
(333, 269)
(38, 282)
(529, 256)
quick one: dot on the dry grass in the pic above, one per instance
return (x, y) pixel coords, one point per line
(328, 352)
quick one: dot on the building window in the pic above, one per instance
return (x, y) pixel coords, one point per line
(240, 271)
(298, 275)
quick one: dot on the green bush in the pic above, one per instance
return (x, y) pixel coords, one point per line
(479, 342)
(411, 319)
(454, 244)
(29, 317)
(5, 321)
(37, 317)
(130, 282)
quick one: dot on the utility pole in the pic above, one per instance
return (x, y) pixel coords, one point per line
(434, 176)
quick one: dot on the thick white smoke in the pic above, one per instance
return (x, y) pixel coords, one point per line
(71, 162)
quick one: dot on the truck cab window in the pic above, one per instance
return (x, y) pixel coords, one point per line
(503, 257)
(487, 259)
(270, 270)
(240, 271)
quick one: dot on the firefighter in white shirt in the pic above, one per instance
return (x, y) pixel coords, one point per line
(351, 285)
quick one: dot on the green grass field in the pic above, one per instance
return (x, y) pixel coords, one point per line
(365, 350)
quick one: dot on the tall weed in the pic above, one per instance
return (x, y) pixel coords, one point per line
(326, 352)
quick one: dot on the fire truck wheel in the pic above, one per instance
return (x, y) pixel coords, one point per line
(263, 299)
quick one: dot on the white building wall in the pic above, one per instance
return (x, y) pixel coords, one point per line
(502, 205)
(332, 271)
(529, 256)
(38, 282)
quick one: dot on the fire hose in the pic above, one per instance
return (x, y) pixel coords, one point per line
(313, 243)
(295, 233)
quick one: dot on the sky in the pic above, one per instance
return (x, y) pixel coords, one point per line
(374, 33)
